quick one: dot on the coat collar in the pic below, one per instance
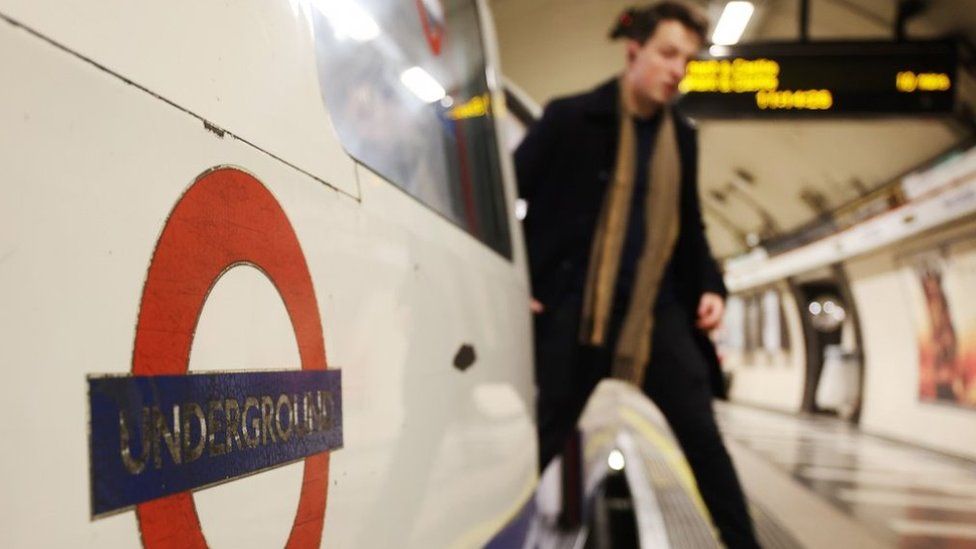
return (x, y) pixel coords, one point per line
(601, 102)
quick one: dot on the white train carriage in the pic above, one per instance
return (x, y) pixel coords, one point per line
(275, 241)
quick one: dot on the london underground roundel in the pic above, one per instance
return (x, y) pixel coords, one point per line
(159, 434)
(433, 22)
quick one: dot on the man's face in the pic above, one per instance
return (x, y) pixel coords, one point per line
(657, 66)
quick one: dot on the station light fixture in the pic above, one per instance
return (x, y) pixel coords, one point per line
(732, 23)
(615, 460)
(718, 51)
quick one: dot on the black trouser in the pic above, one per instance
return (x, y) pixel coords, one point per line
(678, 383)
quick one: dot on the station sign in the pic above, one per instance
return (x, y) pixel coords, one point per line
(152, 436)
(159, 433)
(818, 79)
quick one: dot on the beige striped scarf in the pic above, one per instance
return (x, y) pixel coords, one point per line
(662, 209)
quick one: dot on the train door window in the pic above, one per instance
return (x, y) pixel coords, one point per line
(408, 90)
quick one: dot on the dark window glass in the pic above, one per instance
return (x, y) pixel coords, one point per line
(407, 89)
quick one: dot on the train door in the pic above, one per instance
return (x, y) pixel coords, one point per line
(832, 346)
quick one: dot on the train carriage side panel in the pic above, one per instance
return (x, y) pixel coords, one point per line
(88, 185)
(245, 67)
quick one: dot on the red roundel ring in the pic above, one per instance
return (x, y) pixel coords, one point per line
(226, 218)
(433, 30)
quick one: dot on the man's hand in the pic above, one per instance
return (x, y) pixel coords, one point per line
(710, 310)
(535, 306)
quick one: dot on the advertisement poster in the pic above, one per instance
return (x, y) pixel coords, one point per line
(941, 286)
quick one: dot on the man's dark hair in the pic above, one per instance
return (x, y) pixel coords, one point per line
(640, 23)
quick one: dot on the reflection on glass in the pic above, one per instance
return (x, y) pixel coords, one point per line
(406, 87)
(348, 20)
(422, 85)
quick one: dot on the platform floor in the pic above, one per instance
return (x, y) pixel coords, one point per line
(830, 485)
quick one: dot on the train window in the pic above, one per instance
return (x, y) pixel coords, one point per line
(406, 84)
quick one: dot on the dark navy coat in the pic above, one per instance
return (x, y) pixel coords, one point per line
(564, 166)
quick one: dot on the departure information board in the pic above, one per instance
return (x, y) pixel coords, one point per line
(823, 79)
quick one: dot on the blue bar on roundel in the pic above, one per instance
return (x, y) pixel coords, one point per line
(152, 436)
